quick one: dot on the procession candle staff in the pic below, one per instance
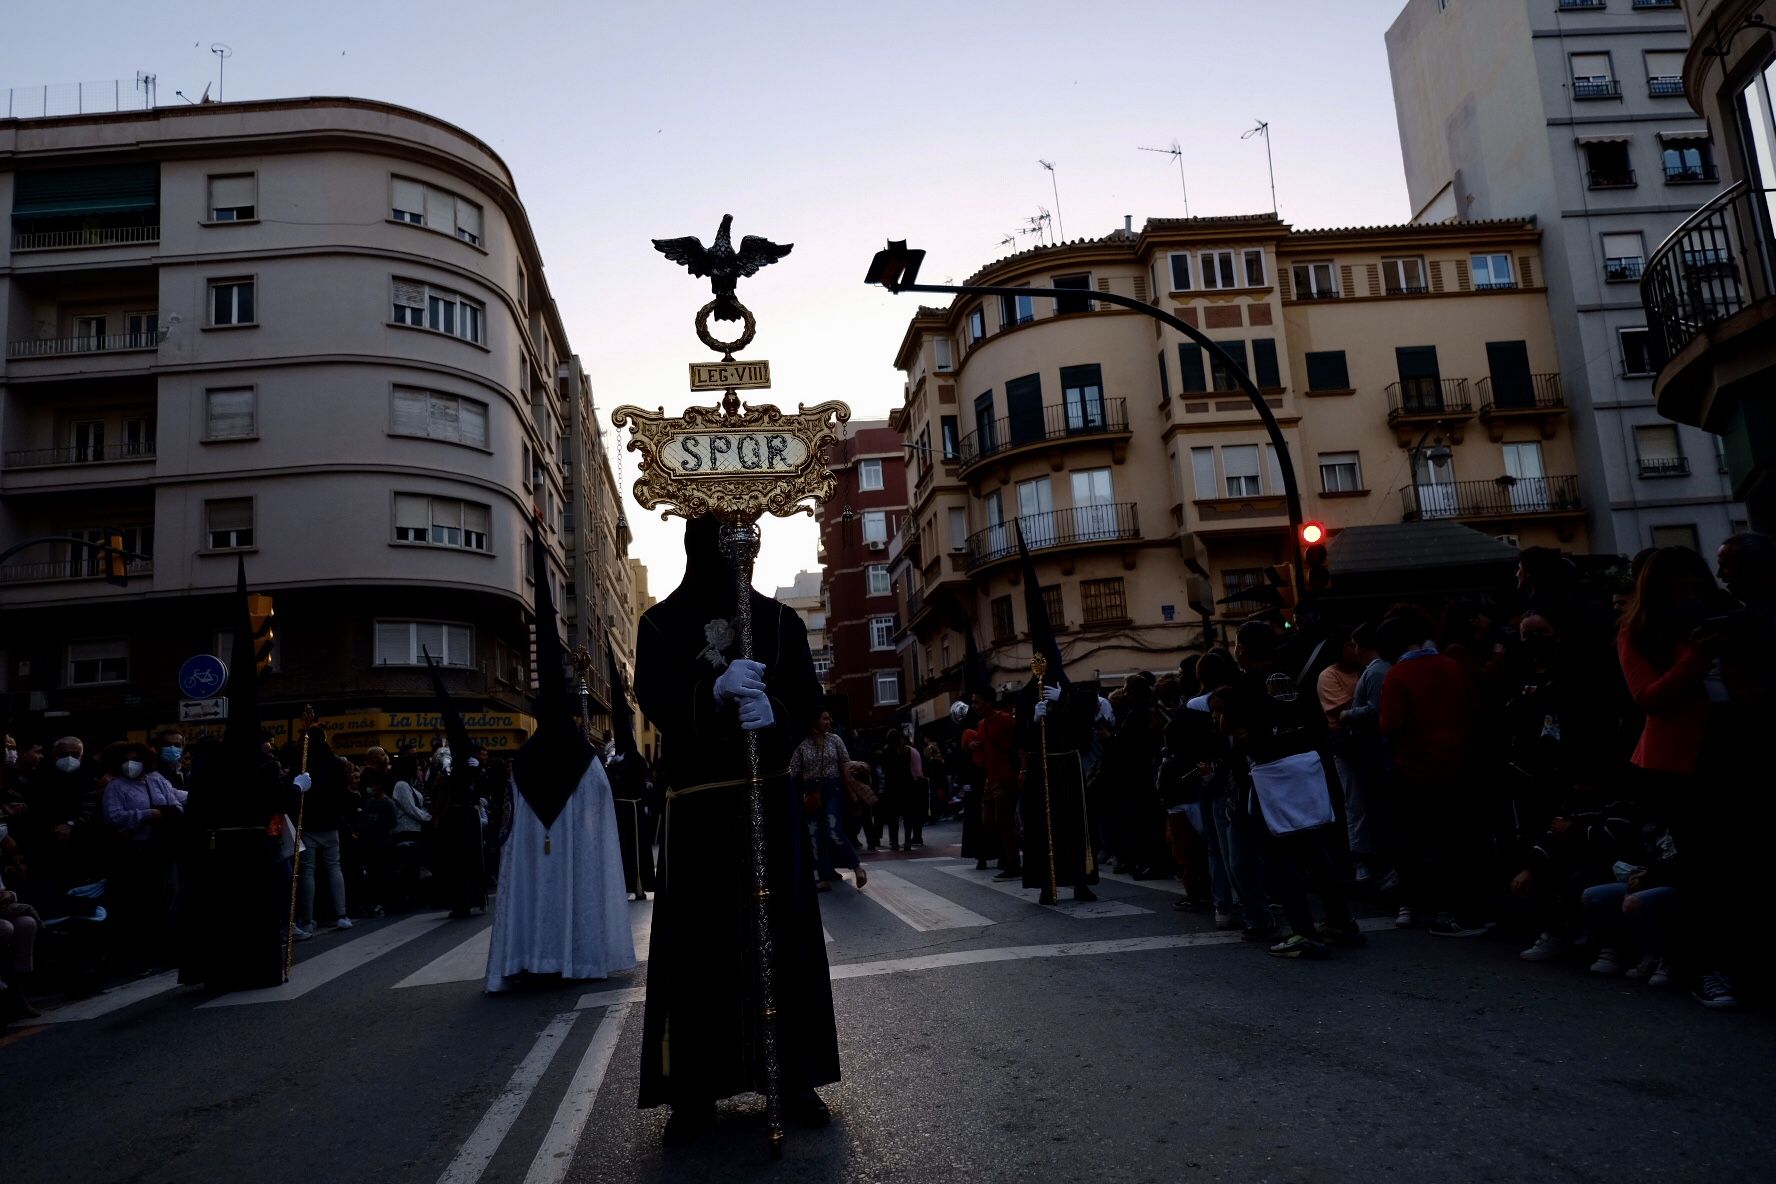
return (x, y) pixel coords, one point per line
(308, 722)
(1039, 667)
(739, 998)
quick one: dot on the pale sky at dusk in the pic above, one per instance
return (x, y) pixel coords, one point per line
(829, 125)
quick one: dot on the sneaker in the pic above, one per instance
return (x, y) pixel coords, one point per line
(1264, 933)
(304, 934)
(1715, 993)
(1547, 947)
(1661, 977)
(1447, 926)
(1645, 968)
(1297, 946)
(1332, 935)
(343, 923)
(1608, 962)
(1404, 918)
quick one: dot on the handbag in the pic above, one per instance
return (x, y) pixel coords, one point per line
(1292, 793)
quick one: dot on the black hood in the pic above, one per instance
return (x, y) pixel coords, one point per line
(622, 723)
(242, 740)
(456, 733)
(548, 768)
(1042, 636)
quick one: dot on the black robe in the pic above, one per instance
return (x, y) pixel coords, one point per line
(458, 847)
(1054, 804)
(701, 1034)
(233, 913)
(628, 782)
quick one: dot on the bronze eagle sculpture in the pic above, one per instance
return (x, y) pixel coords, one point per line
(722, 264)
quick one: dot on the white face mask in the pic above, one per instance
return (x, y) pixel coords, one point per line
(68, 764)
(132, 770)
(12, 756)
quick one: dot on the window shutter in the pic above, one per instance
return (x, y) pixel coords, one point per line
(1264, 362)
(474, 423)
(1202, 472)
(475, 517)
(442, 421)
(447, 512)
(1238, 350)
(428, 637)
(409, 195)
(230, 414)
(1240, 460)
(413, 512)
(231, 514)
(409, 294)
(394, 643)
(410, 412)
(231, 191)
(468, 216)
(1327, 371)
(459, 645)
(1274, 470)
(1190, 368)
(1657, 442)
(440, 210)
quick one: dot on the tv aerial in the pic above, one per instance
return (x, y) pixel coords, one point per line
(1176, 152)
(1263, 129)
(223, 53)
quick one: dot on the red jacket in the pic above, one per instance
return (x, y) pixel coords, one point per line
(1427, 716)
(1675, 702)
(997, 739)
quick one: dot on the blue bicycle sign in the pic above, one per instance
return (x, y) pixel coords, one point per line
(202, 676)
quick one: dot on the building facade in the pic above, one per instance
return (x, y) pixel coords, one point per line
(1574, 112)
(856, 525)
(805, 598)
(1142, 479)
(313, 334)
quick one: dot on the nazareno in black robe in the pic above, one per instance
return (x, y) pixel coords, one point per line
(701, 1033)
(1064, 808)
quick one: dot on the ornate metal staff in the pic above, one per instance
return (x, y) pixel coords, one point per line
(308, 716)
(1039, 667)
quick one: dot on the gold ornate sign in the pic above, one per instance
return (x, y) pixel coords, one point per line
(730, 376)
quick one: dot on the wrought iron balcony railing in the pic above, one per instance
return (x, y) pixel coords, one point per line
(1597, 88)
(56, 347)
(1544, 394)
(1432, 397)
(1664, 466)
(97, 236)
(1612, 178)
(79, 454)
(1669, 86)
(1715, 265)
(1687, 175)
(1507, 497)
(1059, 422)
(1055, 528)
(82, 567)
(1621, 270)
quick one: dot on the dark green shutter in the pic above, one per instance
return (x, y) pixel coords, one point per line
(1264, 362)
(1191, 376)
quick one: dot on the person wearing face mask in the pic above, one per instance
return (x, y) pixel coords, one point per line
(168, 747)
(59, 825)
(143, 810)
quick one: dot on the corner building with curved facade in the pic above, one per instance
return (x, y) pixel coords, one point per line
(312, 333)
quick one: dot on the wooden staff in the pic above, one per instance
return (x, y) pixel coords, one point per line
(1039, 667)
(308, 715)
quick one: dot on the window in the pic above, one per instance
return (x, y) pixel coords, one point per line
(1315, 281)
(1053, 606)
(1403, 277)
(958, 519)
(1637, 352)
(1664, 69)
(1593, 77)
(1202, 473)
(437, 416)
(1192, 375)
(1222, 376)
(441, 521)
(1623, 255)
(408, 643)
(1340, 472)
(1254, 268)
(94, 663)
(1003, 628)
(1239, 462)
(977, 325)
(230, 413)
(1607, 165)
(878, 579)
(1180, 273)
(1264, 363)
(881, 633)
(1082, 394)
(942, 356)
(1240, 585)
(1217, 270)
(1016, 310)
(1492, 271)
(231, 302)
(869, 474)
(91, 331)
(232, 197)
(986, 428)
(1067, 304)
(438, 209)
(1327, 371)
(228, 523)
(1094, 504)
(1102, 601)
(922, 452)
(1660, 454)
(875, 528)
(952, 437)
(1677, 536)
(1688, 161)
(887, 688)
(426, 307)
(1165, 380)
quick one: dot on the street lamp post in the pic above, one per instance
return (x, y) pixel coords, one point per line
(896, 268)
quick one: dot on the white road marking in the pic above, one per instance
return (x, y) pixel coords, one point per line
(641, 925)
(555, 1156)
(341, 959)
(920, 908)
(1168, 884)
(1066, 906)
(477, 1152)
(464, 962)
(611, 998)
(826, 933)
(115, 999)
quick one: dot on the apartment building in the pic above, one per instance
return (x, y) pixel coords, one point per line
(1710, 289)
(856, 526)
(647, 738)
(803, 597)
(313, 333)
(1412, 370)
(1575, 112)
(596, 535)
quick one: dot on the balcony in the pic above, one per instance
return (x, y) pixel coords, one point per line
(1504, 497)
(1570, 5)
(1054, 429)
(1668, 87)
(1080, 526)
(43, 458)
(84, 567)
(1692, 175)
(1421, 402)
(1543, 401)
(1664, 466)
(1654, 4)
(1624, 270)
(63, 347)
(1611, 178)
(1597, 88)
(95, 236)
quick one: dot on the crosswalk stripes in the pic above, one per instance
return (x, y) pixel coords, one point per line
(1076, 909)
(113, 1000)
(919, 908)
(467, 960)
(324, 967)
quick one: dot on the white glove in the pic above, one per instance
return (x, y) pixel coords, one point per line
(743, 679)
(473, 763)
(1042, 709)
(756, 714)
(302, 781)
(1051, 694)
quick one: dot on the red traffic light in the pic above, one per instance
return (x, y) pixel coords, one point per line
(1312, 533)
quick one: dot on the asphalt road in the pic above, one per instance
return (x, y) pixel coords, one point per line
(984, 1038)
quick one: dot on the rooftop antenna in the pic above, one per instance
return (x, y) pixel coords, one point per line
(1176, 152)
(223, 53)
(1049, 165)
(1010, 240)
(1263, 129)
(1040, 221)
(185, 96)
(145, 83)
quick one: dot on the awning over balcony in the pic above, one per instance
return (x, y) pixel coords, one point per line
(1688, 133)
(1613, 138)
(67, 193)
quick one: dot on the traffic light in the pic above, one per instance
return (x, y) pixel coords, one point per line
(116, 562)
(1282, 582)
(1313, 534)
(260, 617)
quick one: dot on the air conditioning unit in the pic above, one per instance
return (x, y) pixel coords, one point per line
(1510, 540)
(877, 544)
